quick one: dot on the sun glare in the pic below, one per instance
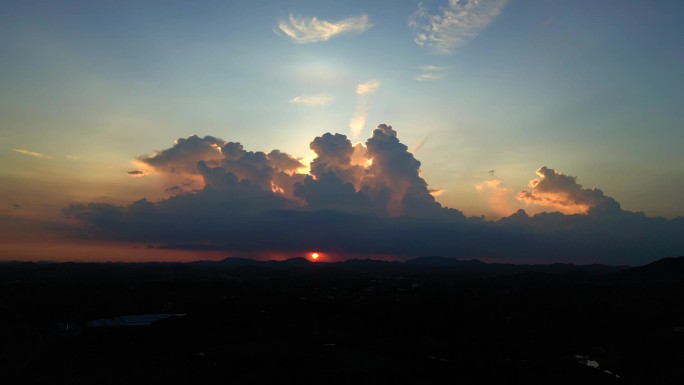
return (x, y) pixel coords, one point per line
(315, 256)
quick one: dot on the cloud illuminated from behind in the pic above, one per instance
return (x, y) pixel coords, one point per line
(364, 198)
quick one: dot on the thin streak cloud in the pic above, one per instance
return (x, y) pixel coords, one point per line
(311, 30)
(420, 144)
(314, 100)
(428, 77)
(454, 25)
(33, 154)
(431, 72)
(432, 68)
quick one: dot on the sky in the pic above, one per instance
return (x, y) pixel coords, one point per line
(164, 130)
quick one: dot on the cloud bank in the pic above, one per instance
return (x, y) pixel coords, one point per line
(311, 30)
(367, 199)
(453, 25)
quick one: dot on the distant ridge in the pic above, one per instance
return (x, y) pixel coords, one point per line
(427, 264)
(292, 262)
(662, 270)
(434, 261)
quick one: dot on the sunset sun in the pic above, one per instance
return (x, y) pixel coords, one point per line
(315, 256)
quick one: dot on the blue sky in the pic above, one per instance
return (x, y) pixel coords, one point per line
(591, 89)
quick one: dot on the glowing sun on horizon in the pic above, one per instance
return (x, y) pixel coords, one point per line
(315, 256)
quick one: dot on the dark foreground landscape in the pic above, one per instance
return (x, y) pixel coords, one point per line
(430, 320)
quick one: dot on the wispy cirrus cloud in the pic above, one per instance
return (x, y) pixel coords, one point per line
(32, 153)
(453, 25)
(311, 30)
(313, 100)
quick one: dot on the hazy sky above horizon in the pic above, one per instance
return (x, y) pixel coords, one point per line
(482, 94)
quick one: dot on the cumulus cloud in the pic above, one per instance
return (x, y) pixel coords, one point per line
(453, 25)
(562, 192)
(358, 121)
(314, 100)
(364, 198)
(395, 167)
(33, 154)
(273, 171)
(310, 30)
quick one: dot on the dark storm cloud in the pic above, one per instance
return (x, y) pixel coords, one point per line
(395, 167)
(365, 199)
(185, 154)
(284, 162)
(274, 171)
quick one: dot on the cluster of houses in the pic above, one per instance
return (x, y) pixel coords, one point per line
(124, 321)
